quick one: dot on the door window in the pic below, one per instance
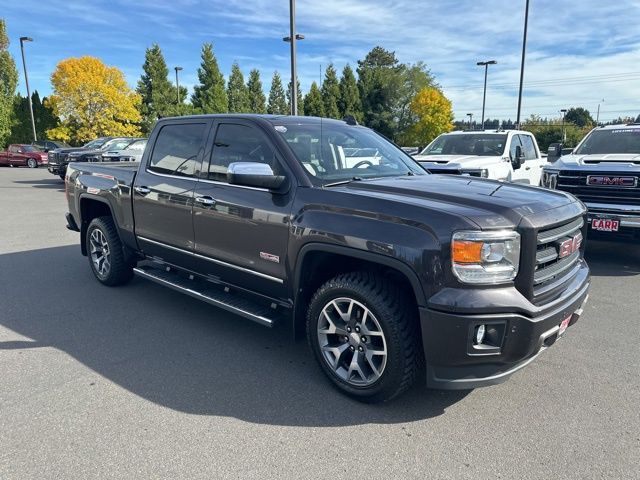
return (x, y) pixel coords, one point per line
(176, 149)
(14, 149)
(238, 143)
(528, 148)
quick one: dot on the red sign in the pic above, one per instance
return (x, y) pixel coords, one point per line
(605, 224)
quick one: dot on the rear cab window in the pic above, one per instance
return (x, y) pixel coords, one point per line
(177, 149)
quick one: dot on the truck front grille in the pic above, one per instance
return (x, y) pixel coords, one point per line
(576, 184)
(557, 260)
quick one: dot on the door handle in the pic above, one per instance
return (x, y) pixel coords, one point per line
(206, 201)
(527, 168)
(142, 190)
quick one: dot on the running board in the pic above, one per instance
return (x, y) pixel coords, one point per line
(210, 293)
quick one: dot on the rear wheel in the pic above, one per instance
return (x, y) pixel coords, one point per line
(105, 253)
(363, 332)
(32, 163)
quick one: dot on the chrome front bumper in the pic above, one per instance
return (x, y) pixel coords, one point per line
(629, 215)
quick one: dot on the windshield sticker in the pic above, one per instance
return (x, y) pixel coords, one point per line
(281, 128)
(635, 131)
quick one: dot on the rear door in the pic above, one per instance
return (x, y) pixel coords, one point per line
(241, 233)
(164, 189)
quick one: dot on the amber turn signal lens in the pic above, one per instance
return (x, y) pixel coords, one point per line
(466, 252)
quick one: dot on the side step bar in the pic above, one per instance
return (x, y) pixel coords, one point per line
(210, 293)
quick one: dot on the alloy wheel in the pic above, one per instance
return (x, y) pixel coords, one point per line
(100, 253)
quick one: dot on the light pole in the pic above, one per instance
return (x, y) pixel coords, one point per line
(26, 81)
(484, 95)
(598, 114)
(292, 38)
(564, 134)
(470, 115)
(524, 49)
(177, 69)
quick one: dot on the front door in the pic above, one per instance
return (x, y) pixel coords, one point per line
(163, 191)
(241, 233)
(533, 163)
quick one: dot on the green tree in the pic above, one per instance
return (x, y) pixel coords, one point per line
(157, 92)
(257, 100)
(300, 98)
(277, 103)
(380, 81)
(8, 84)
(349, 101)
(331, 92)
(579, 116)
(209, 96)
(415, 78)
(313, 104)
(44, 118)
(432, 111)
(237, 91)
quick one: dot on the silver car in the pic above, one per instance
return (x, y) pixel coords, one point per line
(132, 153)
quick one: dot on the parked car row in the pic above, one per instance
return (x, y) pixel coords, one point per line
(104, 149)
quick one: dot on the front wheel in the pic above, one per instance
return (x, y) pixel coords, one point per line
(364, 334)
(105, 253)
(32, 163)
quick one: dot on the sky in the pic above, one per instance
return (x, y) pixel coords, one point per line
(578, 53)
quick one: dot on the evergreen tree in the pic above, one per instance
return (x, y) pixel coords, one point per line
(300, 98)
(277, 103)
(210, 95)
(8, 84)
(237, 91)
(380, 81)
(349, 101)
(257, 100)
(21, 129)
(331, 92)
(313, 104)
(157, 92)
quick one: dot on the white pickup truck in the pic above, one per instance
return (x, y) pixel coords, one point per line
(508, 155)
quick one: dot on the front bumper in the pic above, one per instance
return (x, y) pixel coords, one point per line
(627, 215)
(57, 168)
(525, 331)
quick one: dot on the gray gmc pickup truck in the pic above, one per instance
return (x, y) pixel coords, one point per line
(393, 273)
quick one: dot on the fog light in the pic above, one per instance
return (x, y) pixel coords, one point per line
(479, 335)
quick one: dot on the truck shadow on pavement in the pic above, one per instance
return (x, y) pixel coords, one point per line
(611, 259)
(180, 353)
(50, 183)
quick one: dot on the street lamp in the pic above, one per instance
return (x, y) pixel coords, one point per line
(564, 134)
(524, 48)
(177, 69)
(292, 39)
(484, 95)
(26, 81)
(470, 115)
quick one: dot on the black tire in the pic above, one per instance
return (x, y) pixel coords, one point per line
(32, 163)
(118, 271)
(396, 316)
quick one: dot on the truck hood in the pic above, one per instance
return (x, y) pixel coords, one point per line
(488, 203)
(595, 160)
(456, 161)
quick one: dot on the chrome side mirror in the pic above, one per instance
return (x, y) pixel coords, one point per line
(254, 174)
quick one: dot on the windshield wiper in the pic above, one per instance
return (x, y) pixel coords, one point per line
(343, 182)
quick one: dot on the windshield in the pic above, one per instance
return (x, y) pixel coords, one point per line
(117, 144)
(30, 148)
(477, 144)
(334, 153)
(97, 143)
(138, 145)
(622, 140)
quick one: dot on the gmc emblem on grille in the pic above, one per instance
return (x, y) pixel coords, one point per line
(569, 246)
(612, 181)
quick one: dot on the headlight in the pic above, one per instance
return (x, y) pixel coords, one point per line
(485, 258)
(550, 180)
(476, 172)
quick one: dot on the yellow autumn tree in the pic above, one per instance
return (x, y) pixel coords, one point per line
(433, 116)
(92, 100)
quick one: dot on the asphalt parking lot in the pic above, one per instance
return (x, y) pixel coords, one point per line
(143, 382)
